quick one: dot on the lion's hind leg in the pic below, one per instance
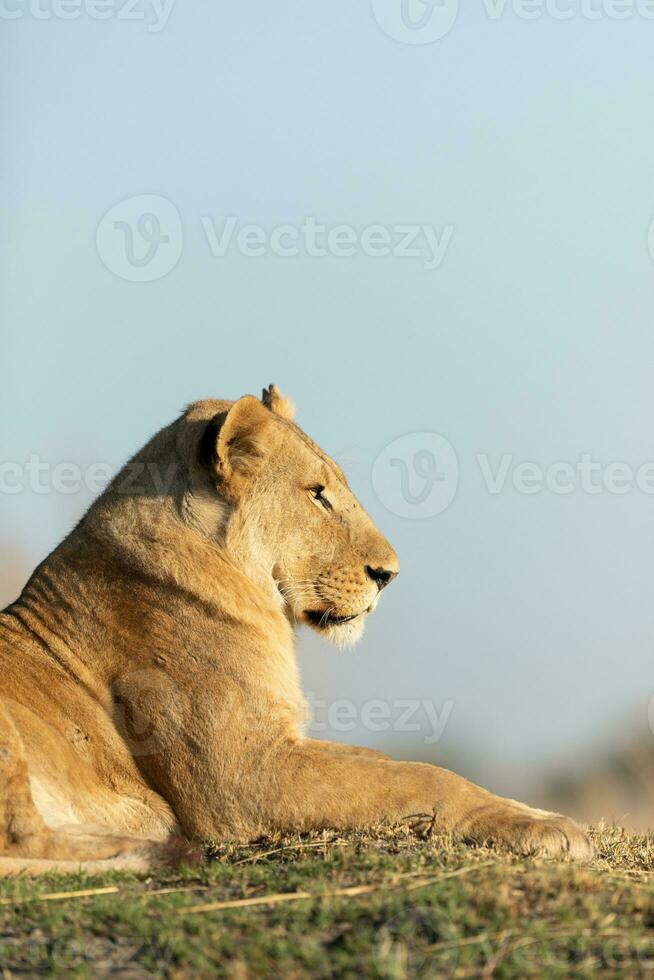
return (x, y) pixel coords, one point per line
(29, 846)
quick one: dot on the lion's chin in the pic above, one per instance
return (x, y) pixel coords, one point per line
(344, 635)
(341, 630)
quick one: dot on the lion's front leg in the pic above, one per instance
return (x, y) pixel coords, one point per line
(314, 785)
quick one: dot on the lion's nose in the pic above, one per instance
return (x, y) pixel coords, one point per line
(382, 576)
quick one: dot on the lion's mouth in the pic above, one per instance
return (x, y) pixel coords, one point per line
(323, 618)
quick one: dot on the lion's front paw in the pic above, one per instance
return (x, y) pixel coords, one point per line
(529, 832)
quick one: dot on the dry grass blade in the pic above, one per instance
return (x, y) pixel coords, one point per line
(253, 858)
(60, 896)
(240, 903)
(352, 891)
(174, 890)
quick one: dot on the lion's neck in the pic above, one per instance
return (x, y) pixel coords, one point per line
(133, 583)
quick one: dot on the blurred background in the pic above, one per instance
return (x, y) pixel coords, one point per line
(431, 227)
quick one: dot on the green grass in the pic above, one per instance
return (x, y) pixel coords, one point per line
(435, 909)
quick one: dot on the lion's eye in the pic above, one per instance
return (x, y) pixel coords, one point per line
(317, 494)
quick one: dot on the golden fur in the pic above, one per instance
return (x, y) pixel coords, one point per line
(150, 695)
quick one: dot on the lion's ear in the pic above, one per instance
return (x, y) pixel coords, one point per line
(273, 399)
(241, 441)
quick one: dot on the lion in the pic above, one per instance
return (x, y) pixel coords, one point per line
(150, 698)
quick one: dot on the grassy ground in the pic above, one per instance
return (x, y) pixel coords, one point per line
(406, 908)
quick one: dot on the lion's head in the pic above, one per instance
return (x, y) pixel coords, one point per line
(288, 516)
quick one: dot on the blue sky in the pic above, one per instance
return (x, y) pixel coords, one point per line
(531, 140)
